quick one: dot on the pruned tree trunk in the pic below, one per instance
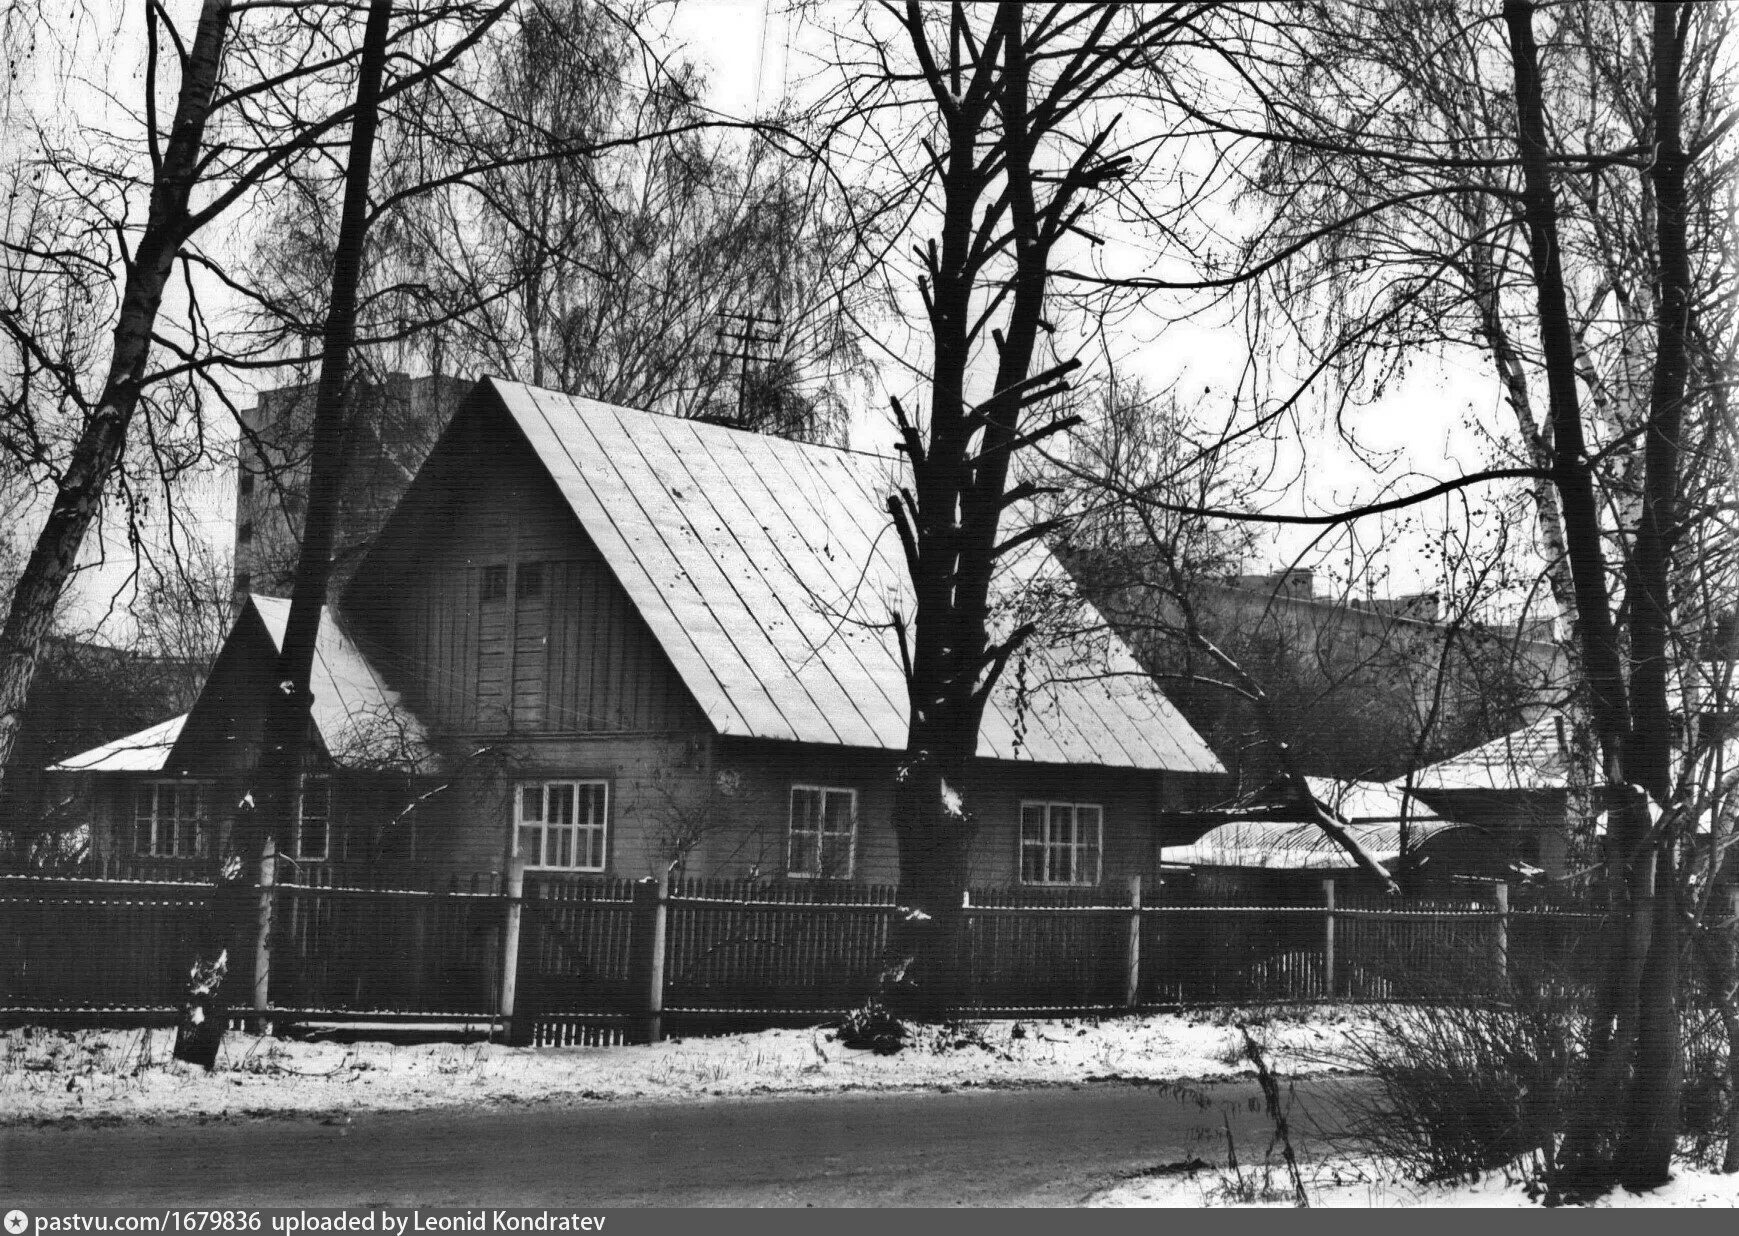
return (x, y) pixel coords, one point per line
(96, 454)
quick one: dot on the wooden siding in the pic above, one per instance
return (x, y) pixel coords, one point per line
(751, 822)
(572, 658)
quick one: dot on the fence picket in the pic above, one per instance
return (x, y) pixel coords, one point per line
(737, 946)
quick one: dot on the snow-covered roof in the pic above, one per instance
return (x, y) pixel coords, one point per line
(362, 721)
(1368, 802)
(1531, 758)
(768, 571)
(1296, 847)
(146, 751)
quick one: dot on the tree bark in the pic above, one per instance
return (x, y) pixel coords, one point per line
(287, 729)
(1623, 1124)
(1652, 1118)
(95, 456)
(960, 496)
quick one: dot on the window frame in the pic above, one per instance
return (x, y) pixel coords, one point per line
(820, 832)
(594, 790)
(147, 827)
(492, 583)
(1048, 846)
(324, 780)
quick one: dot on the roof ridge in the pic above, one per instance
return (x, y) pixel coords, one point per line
(897, 457)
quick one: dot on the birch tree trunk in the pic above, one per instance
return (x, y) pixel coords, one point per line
(79, 493)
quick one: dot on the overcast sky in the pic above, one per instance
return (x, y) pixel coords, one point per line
(755, 50)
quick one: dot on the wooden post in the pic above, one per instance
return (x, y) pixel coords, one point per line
(1132, 951)
(1328, 939)
(651, 900)
(261, 1022)
(1503, 933)
(510, 947)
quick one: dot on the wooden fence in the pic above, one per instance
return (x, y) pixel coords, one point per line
(553, 952)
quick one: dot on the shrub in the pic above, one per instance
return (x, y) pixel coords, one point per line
(1464, 1088)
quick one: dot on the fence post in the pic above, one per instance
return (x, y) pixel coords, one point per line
(261, 1022)
(1132, 952)
(651, 902)
(1328, 939)
(510, 950)
(1503, 932)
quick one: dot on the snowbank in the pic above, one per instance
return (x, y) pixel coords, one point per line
(50, 1075)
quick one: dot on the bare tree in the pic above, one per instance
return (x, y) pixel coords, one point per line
(252, 92)
(1457, 169)
(575, 216)
(1020, 150)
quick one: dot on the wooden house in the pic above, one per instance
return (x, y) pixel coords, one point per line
(1271, 844)
(609, 641)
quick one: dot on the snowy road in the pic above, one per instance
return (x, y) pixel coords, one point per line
(1048, 1146)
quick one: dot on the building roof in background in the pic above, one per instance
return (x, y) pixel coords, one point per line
(1531, 758)
(146, 751)
(768, 571)
(1296, 847)
(1368, 802)
(363, 722)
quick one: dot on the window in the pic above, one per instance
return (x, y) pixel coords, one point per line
(561, 825)
(247, 483)
(823, 830)
(1060, 843)
(528, 581)
(245, 533)
(495, 583)
(169, 819)
(313, 839)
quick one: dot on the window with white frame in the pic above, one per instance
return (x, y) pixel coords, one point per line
(170, 820)
(1061, 843)
(313, 840)
(823, 831)
(562, 825)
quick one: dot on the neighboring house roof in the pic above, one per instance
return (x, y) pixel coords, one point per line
(1532, 758)
(768, 571)
(1368, 802)
(146, 751)
(363, 722)
(1296, 847)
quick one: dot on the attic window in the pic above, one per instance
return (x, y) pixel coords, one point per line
(494, 583)
(529, 580)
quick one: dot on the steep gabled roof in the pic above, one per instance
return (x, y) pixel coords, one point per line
(363, 722)
(768, 572)
(146, 751)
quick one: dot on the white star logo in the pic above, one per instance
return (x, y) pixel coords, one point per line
(16, 1222)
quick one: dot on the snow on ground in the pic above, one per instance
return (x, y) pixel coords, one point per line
(106, 1074)
(49, 1075)
(1351, 1183)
